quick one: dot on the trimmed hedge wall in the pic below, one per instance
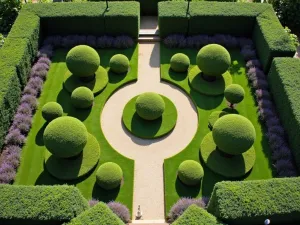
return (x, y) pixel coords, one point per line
(251, 202)
(40, 204)
(284, 82)
(98, 214)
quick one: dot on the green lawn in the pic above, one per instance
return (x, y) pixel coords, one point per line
(31, 170)
(262, 169)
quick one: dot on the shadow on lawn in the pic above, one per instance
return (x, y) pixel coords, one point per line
(105, 195)
(206, 102)
(187, 191)
(177, 76)
(39, 136)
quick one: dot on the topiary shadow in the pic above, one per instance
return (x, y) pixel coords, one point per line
(105, 195)
(115, 78)
(177, 76)
(145, 128)
(39, 140)
(230, 110)
(185, 190)
(206, 102)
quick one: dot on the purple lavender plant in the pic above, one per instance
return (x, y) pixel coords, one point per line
(14, 137)
(68, 41)
(22, 122)
(91, 41)
(245, 42)
(105, 41)
(24, 108)
(201, 40)
(45, 51)
(248, 52)
(35, 83)
(120, 210)
(44, 60)
(123, 41)
(266, 113)
(260, 93)
(57, 40)
(30, 91)
(93, 202)
(260, 84)
(31, 100)
(253, 63)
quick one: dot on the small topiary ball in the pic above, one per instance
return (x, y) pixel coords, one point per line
(233, 134)
(83, 61)
(51, 111)
(180, 62)
(190, 172)
(82, 98)
(213, 60)
(150, 106)
(234, 93)
(119, 63)
(65, 137)
(109, 175)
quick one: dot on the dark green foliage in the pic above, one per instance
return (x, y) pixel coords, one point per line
(284, 81)
(98, 214)
(8, 12)
(72, 18)
(251, 202)
(234, 93)
(195, 215)
(83, 61)
(109, 175)
(51, 111)
(119, 63)
(82, 98)
(190, 172)
(65, 137)
(180, 62)
(10, 92)
(36, 205)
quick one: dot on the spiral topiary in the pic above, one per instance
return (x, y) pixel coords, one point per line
(119, 63)
(234, 93)
(65, 137)
(180, 62)
(51, 111)
(82, 98)
(150, 106)
(83, 61)
(233, 134)
(190, 172)
(109, 175)
(213, 60)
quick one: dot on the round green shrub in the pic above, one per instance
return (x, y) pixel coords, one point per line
(180, 62)
(150, 105)
(51, 111)
(234, 93)
(83, 61)
(119, 63)
(82, 98)
(109, 175)
(213, 60)
(233, 134)
(65, 137)
(190, 172)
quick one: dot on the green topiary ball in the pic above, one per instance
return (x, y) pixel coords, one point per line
(82, 98)
(233, 134)
(65, 137)
(190, 172)
(109, 175)
(180, 62)
(83, 61)
(119, 63)
(234, 93)
(150, 105)
(213, 60)
(51, 111)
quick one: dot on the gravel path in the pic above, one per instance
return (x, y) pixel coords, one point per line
(149, 154)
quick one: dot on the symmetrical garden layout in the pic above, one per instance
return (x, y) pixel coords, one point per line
(166, 126)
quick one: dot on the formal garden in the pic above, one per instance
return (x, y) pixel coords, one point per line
(93, 128)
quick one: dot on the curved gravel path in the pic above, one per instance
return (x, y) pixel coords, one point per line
(149, 154)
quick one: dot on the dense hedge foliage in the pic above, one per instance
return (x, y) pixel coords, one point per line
(36, 205)
(180, 62)
(284, 83)
(234, 93)
(98, 214)
(51, 111)
(109, 175)
(119, 63)
(82, 98)
(251, 202)
(8, 12)
(190, 172)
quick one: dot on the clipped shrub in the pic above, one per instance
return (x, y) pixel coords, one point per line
(234, 93)
(150, 106)
(233, 134)
(213, 60)
(51, 111)
(82, 98)
(65, 137)
(180, 62)
(190, 172)
(120, 210)
(109, 175)
(119, 63)
(83, 61)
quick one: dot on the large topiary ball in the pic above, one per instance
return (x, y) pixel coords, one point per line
(65, 137)
(82, 98)
(213, 60)
(109, 175)
(234, 93)
(83, 61)
(233, 134)
(149, 105)
(119, 63)
(190, 172)
(180, 62)
(51, 111)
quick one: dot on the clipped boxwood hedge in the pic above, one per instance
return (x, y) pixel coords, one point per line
(98, 214)
(284, 82)
(40, 205)
(251, 202)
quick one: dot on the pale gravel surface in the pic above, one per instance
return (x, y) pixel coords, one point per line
(149, 154)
